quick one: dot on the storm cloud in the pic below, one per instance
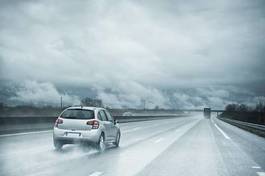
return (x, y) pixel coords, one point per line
(134, 50)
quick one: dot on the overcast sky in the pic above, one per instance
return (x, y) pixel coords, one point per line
(193, 53)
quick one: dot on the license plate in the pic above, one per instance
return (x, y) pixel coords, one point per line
(73, 135)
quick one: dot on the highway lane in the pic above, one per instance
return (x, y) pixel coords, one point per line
(181, 146)
(250, 144)
(211, 149)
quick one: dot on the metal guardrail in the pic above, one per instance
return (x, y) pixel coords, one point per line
(254, 128)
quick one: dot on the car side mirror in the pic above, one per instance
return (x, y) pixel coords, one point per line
(115, 122)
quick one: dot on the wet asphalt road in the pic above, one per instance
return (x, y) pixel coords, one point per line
(181, 146)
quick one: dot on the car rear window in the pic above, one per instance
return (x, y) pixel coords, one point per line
(78, 114)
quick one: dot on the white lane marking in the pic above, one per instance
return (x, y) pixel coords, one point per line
(18, 134)
(256, 167)
(158, 140)
(131, 130)
(261, 173)
(145, 126)
(223, 133)
(96, 173)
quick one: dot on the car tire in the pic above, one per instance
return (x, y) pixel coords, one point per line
(117, 140)
(101, 146)
(57, 144)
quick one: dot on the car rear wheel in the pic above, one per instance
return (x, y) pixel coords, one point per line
(101, 143)
(117, 141)
(57, 144)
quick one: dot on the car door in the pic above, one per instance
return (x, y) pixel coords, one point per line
(106, 124)
(113, 128)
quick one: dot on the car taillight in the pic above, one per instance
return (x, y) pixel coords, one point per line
(58, 121)
(94, 123)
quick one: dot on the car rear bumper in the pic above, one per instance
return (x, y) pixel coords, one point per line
(70, 136)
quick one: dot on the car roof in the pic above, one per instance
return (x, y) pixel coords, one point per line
(85, 107)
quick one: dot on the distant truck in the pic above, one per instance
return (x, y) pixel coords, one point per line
(207, 113)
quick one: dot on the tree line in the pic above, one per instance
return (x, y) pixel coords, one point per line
(260, 107)
(245, 113)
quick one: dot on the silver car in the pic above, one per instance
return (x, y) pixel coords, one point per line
(86, 124)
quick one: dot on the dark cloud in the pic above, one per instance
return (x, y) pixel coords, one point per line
(137, 49)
